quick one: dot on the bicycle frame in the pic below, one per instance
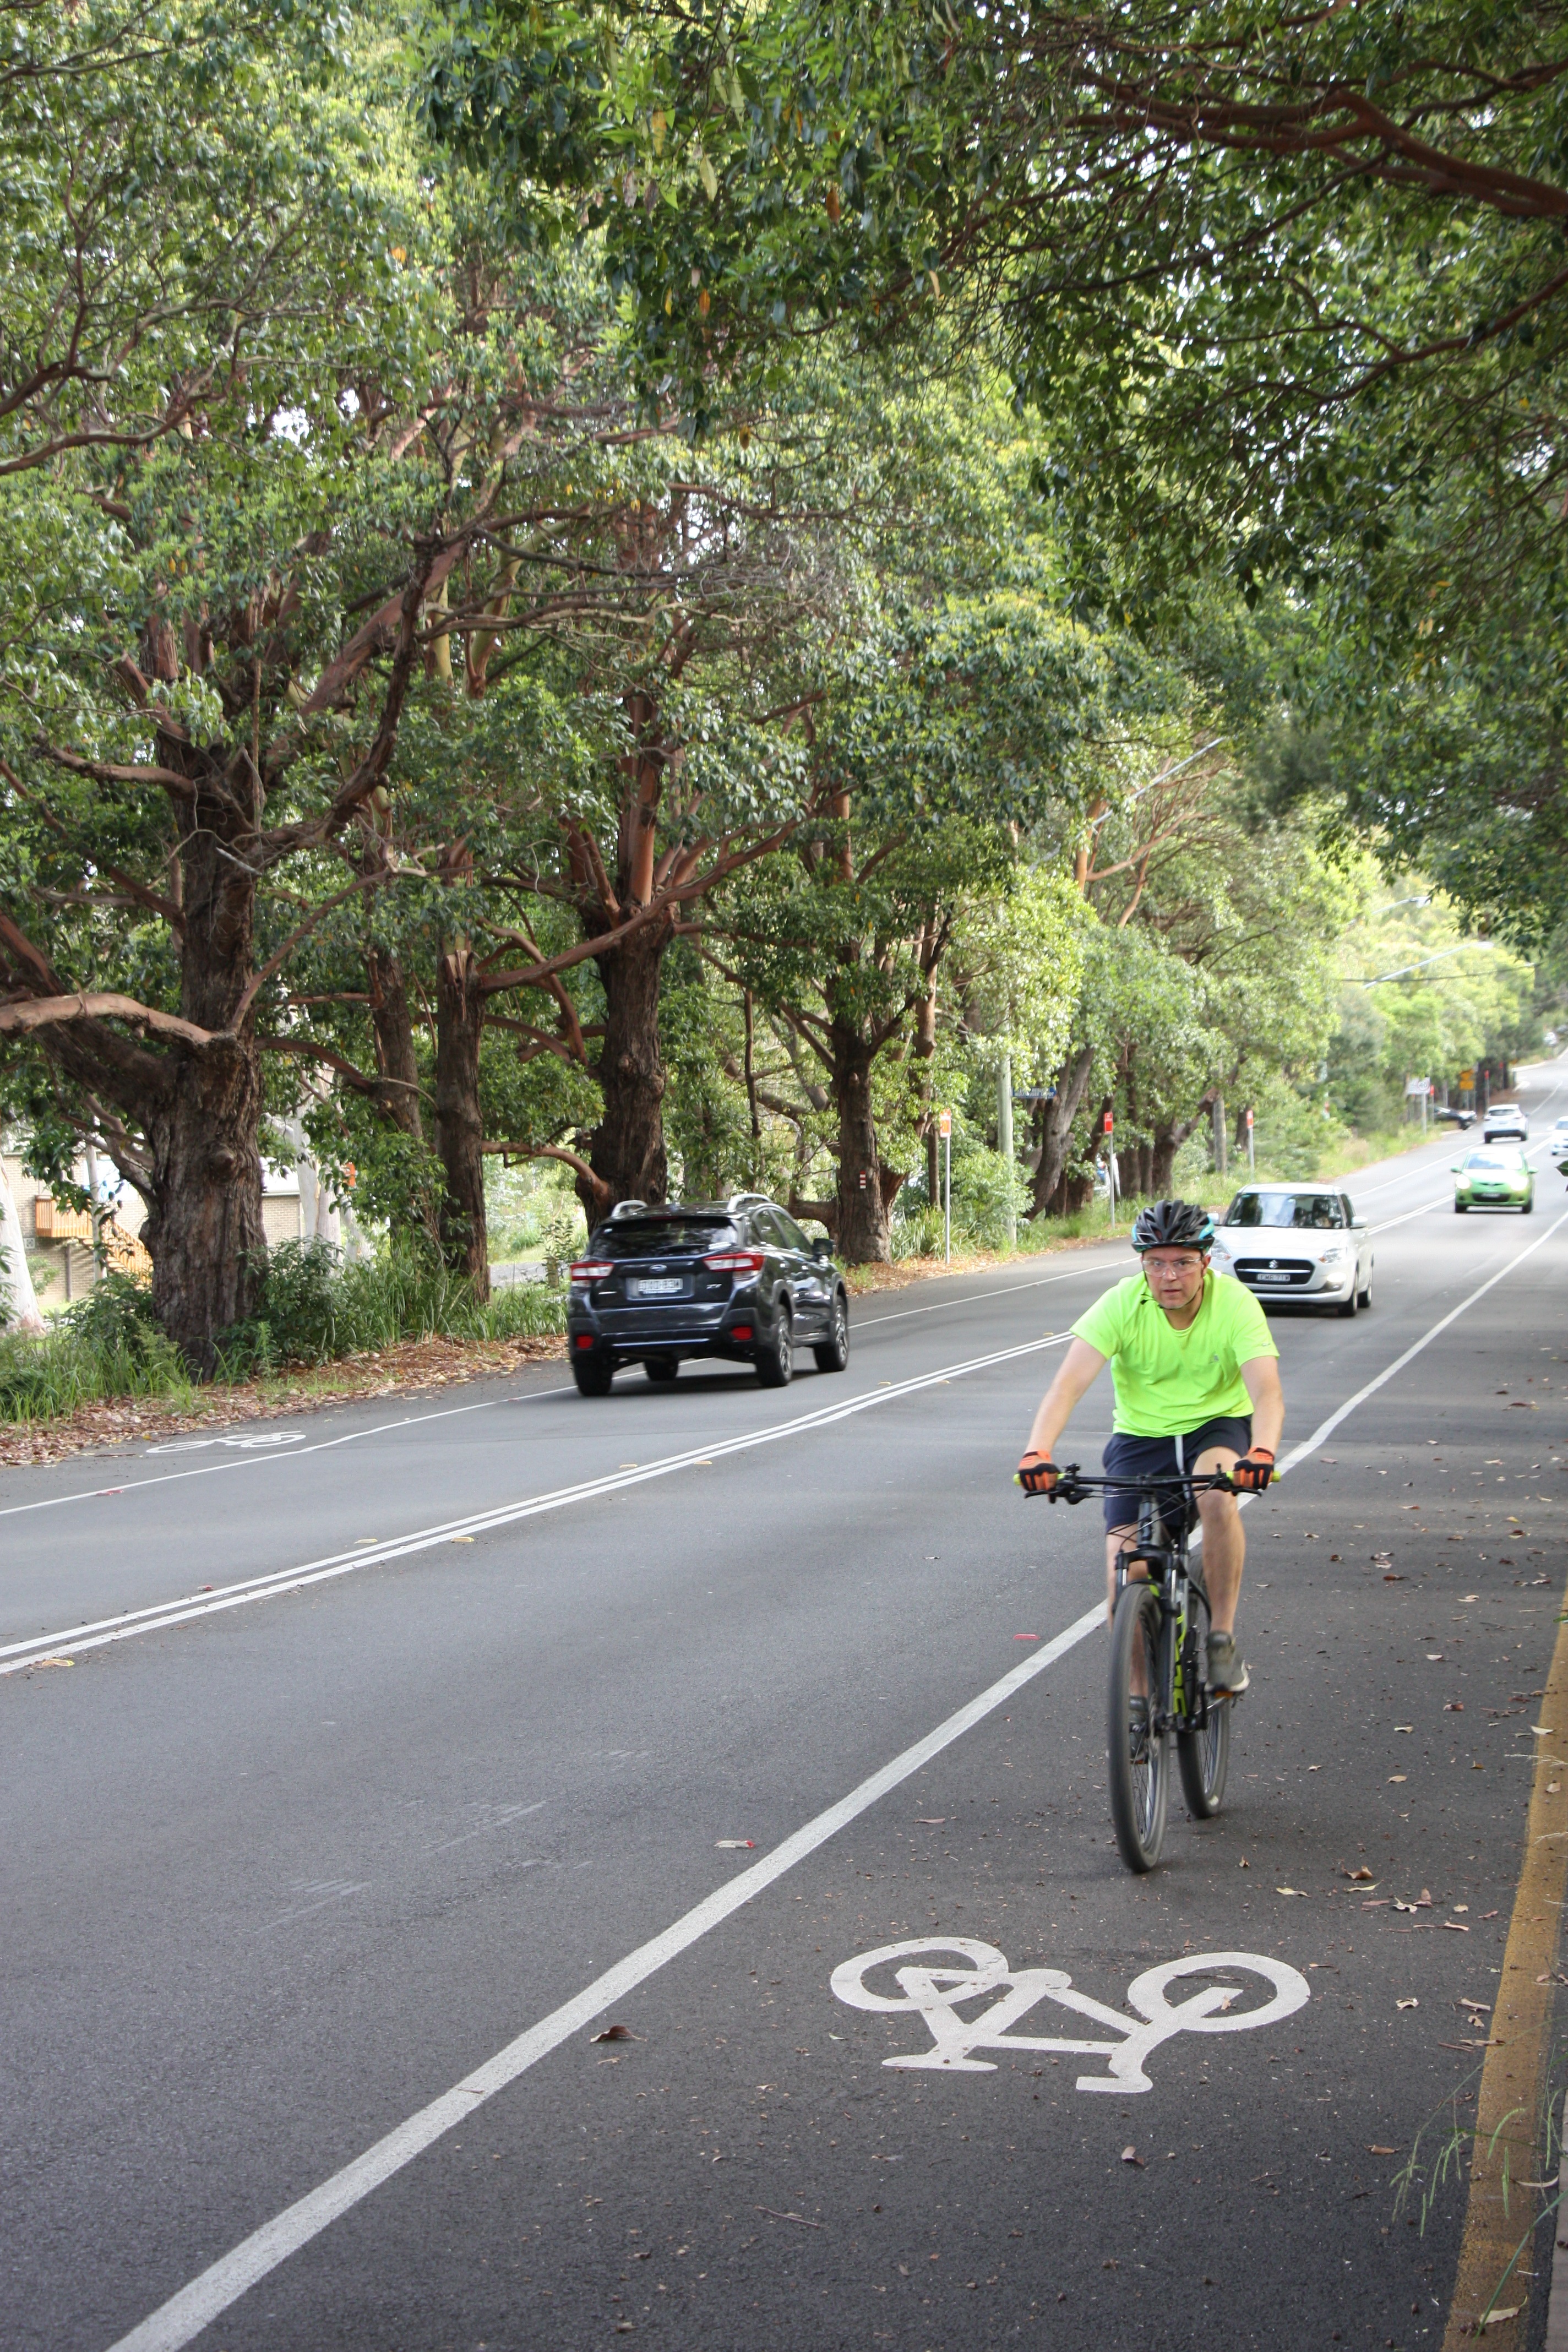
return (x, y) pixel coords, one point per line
(1165, 1557)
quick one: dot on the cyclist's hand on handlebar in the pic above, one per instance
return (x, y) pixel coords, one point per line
(1036, 1472)
(1254, 1471)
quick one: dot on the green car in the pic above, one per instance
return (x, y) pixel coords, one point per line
(1499, 1178)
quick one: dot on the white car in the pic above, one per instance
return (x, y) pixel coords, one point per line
(1557, 1145)
(1505, 1123)
(1300, 1241)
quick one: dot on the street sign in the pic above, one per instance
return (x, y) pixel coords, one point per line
(944, 1123)
(1109, 1121)
(1250, 1119)
(1414, 1087)
(1466, 1077)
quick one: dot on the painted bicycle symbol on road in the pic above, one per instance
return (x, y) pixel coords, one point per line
(934, 1984)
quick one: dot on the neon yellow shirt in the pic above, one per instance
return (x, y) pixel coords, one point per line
(1169, 1382)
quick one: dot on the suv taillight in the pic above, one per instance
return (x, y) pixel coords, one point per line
(737, 1262)
(591, 1269)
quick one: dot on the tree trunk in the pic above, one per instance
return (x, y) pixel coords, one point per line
(203, 1228)
(1168, 1140)
(459, 1128)
(1055, 1130)
(395, 1059)
(862, 1234)
(626, 1152)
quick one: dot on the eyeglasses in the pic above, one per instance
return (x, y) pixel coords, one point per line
(1172, 1268)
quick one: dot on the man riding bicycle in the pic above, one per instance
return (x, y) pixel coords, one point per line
(1197, 1390)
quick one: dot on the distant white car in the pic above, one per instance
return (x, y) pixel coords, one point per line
(1557, 1145)
(1297, 1242)
(1505, 1122)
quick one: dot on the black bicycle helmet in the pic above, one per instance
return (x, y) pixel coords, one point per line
(1173, 1224)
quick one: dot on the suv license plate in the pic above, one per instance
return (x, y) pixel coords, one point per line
(656, 1286)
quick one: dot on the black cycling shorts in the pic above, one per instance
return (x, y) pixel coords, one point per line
(1151, 1457)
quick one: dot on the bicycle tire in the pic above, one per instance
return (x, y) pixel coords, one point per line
(1138, 1761)
(1202, 1757)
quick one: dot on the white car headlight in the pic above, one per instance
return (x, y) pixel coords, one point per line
(1336, 1253)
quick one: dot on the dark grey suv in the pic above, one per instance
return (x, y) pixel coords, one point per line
(736, 1279)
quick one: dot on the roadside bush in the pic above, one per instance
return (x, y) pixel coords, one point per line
(106, 1345)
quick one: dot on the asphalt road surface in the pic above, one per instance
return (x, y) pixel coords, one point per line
(402, 1753)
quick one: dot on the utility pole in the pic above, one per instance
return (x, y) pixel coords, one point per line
(1110, 1166)
(1251, 1147)
(1005, 1136)
(945, 1130)
(1221, 1160)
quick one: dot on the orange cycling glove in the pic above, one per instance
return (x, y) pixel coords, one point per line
(1036, 1472)
(1254, 1471)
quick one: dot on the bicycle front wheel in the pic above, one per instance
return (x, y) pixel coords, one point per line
(1203, 1753)
(1139, 1756)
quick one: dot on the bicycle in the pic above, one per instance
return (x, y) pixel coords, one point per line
(1160, 1622)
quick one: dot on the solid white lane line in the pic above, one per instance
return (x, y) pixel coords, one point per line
(256, 1461)
(207, 2296)
(15, 1656)
(1325, 1429)
(177, 2322)
(866, 1322)
(485, 1405)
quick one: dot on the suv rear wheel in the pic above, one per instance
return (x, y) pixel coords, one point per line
(592, 1374)
(775, 1361)
(832, 1354)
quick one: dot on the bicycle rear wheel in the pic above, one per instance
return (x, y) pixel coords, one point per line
(1203, 1754)
(1139, 1758)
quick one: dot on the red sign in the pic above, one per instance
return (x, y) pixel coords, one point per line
(1110, 1122)
(1250, 1119)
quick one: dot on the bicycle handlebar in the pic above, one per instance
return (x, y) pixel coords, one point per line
(1074, 1486)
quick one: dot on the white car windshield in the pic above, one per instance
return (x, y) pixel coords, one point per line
(1320, 1211)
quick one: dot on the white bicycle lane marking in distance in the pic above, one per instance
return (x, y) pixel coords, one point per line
(179, 2321)
(934, 1993)
(158, 1617)
(262, 1447)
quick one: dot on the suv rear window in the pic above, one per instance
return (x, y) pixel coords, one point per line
(665, 1236)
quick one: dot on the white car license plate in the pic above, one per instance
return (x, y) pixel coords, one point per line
(656, 1285)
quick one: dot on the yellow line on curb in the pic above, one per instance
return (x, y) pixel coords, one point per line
(1510, 2108)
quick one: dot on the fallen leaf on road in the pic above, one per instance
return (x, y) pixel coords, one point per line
(1290, 1890)
(1130, 2156)
(1382, 2151)
(1489, 1915)
(1361, 1876)
(1457, 1926)
(1393, 1776)
(1333, 1555)
(1496, 2318)
(1434, 1657)
(54, 1662)
(801, 2218)
(1411, 2003)
(613, 2033)
(743, 1845)
(937, 1821)
(1454, 1707)
(1244, 1863)
(1405, 1726)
